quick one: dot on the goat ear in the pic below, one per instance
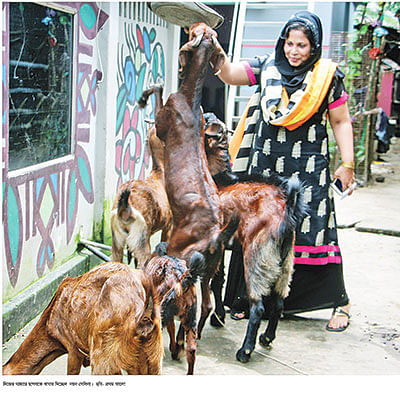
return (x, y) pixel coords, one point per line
(150, 315)
(144, 327)
(212, 129)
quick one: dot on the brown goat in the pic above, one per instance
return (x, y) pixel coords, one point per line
(269, 209)
(192, 194)
(141, 208)
(109, 318)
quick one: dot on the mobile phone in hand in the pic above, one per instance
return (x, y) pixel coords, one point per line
(337, 186)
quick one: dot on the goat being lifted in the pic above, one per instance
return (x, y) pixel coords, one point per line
(141, 207)
(110, 318)
(192, 194)
(269, 209)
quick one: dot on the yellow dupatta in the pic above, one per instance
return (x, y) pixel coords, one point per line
(315, 92)
(234, 144)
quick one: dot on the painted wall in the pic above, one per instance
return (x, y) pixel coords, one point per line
(120, 50)
(146, 54)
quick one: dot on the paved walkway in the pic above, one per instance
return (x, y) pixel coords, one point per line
(371, 344)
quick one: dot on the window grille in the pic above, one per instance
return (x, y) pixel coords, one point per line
(139, 12)
(40, 84)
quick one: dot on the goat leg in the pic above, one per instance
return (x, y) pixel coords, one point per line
(178, 349)
(75, 362)
(158, 91)
(191, 348)
(275, 304)
(189, 326)
(206, 305)
(118, 241)
(218, 317)
(129, 258)
(256, 312)
(172, 342)
(37, 351)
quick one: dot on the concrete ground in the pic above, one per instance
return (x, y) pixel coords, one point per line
(371, 344)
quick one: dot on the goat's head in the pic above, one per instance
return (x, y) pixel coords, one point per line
(197, 33)
(166, 273)
(174, 282)
(216, 146)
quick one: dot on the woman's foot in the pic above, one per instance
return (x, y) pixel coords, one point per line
(238, 315)
(240, 308)
(340, 319)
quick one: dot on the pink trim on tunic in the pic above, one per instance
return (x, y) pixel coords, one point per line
(317, 261)
(339, 102)
(250, 73)
(315, 250)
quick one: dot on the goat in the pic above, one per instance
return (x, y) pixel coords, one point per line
(141, 208)
(216, 147)
(110, 318)
(191, 191)
(269, 209)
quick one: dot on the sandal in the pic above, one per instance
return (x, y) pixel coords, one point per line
(238, 315)
(336, 313)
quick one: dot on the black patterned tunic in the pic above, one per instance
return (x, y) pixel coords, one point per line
(302, 153)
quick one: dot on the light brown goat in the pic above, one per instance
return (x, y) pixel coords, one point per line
(110, 318)
(141, 208)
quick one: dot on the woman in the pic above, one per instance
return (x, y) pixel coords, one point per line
(286, 133)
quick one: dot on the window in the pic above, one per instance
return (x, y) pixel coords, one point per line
(40, 84)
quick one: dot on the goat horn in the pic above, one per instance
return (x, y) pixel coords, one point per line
(197, 41)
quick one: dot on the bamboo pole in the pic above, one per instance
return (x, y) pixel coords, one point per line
(371, 104)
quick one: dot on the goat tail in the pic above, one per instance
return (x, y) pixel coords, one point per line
(197, 268)
(295, 211)
(128, 213)
(296, 208)
(123, 208)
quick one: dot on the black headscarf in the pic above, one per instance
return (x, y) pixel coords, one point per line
(292, 77)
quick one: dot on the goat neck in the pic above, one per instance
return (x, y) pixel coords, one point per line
(195, 71)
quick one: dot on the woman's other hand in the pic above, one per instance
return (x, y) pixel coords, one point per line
(346, 176)
(339, 119)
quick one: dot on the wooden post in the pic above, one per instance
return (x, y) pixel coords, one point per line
(371, 104)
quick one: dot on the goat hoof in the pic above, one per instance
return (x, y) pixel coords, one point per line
(174, 356)
(178, 353)
(242, 356)
(217, 320)
(86, 362)
(265, 341)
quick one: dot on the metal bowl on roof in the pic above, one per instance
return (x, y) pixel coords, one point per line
(184, 14)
